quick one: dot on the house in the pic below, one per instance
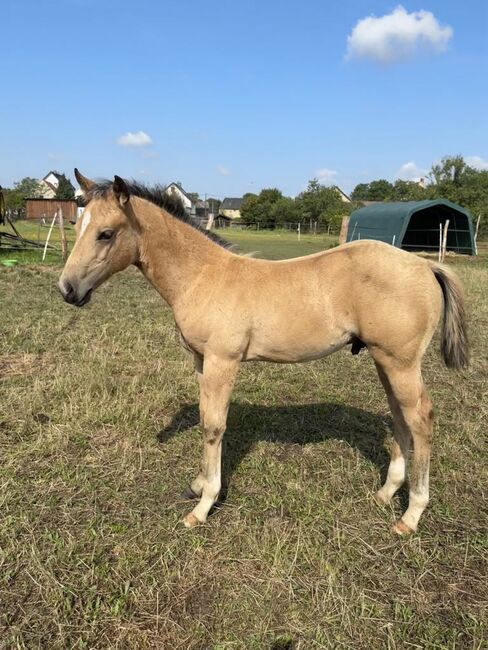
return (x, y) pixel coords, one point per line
(344, 197)
(188, 203)
(49, 184)
(231, 208)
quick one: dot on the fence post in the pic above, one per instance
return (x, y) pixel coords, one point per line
(444, 239)
(344, 227)
(64, 248)
(48, 237)
(476, 234)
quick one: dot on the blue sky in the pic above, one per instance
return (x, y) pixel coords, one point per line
(232, 96)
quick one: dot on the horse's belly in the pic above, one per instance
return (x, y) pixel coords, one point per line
(293, 350)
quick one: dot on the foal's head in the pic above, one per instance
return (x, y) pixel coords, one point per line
(106, 241)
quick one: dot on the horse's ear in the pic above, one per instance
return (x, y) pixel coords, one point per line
(121, 191)
(85, 183)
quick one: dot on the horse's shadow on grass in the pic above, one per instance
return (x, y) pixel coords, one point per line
(290, 425)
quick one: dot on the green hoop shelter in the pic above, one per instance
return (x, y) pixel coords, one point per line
(414, 225)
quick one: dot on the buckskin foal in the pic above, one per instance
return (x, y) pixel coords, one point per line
(229, 308)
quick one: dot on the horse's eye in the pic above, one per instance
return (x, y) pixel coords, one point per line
(105, 235)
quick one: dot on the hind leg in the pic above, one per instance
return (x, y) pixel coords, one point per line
(400, 448)
(416, 415)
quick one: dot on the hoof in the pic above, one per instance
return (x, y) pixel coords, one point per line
(381, 499)
(191, 521)
(401, 528)
(188, 494)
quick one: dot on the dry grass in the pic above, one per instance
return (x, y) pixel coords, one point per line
(98, 436)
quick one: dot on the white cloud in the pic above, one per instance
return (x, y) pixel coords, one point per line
(138, 139)
(225, 171)
(410, 172)
(397, 36)
(477, 162)
(326, 175)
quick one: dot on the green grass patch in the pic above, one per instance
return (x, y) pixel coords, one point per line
(277, 244)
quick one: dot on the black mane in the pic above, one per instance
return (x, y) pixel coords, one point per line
(157, 195)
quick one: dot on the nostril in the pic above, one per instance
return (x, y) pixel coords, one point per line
(68, 290)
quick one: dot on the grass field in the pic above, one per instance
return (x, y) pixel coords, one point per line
(98, 436)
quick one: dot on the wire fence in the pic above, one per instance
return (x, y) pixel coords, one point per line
(304, 227)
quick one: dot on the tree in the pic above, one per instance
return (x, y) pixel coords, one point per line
(408, 191)
(65, 190)
(319, 203)
(258, 208)
(380, 190)
(451, 169)
(360, 192)
(284, 210)
(456, 181)
(28, 188)
(14, 201)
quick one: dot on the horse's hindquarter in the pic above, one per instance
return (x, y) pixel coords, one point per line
(397, 300)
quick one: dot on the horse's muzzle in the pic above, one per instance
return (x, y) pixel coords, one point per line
(70, 294)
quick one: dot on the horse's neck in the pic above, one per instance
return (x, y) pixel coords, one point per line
(173, 255)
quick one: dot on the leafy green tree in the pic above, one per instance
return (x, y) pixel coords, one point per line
(284, 210)
(456, 181)
(408, 191)
(450, 170)
(14, 200)
(319, 203)
(65, 190)
(28, 188)
(360, 192)
(15, 197)
(258, 208)
(380, 190)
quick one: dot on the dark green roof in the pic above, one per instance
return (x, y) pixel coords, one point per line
(414, 225)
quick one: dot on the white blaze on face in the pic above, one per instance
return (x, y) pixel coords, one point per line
(85, 220)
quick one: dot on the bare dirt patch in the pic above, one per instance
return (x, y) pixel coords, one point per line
(20, 363)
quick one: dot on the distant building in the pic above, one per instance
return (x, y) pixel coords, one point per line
(231, 208)
(49, 185)
(188, 203)
(344, 197)
(42, 208)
